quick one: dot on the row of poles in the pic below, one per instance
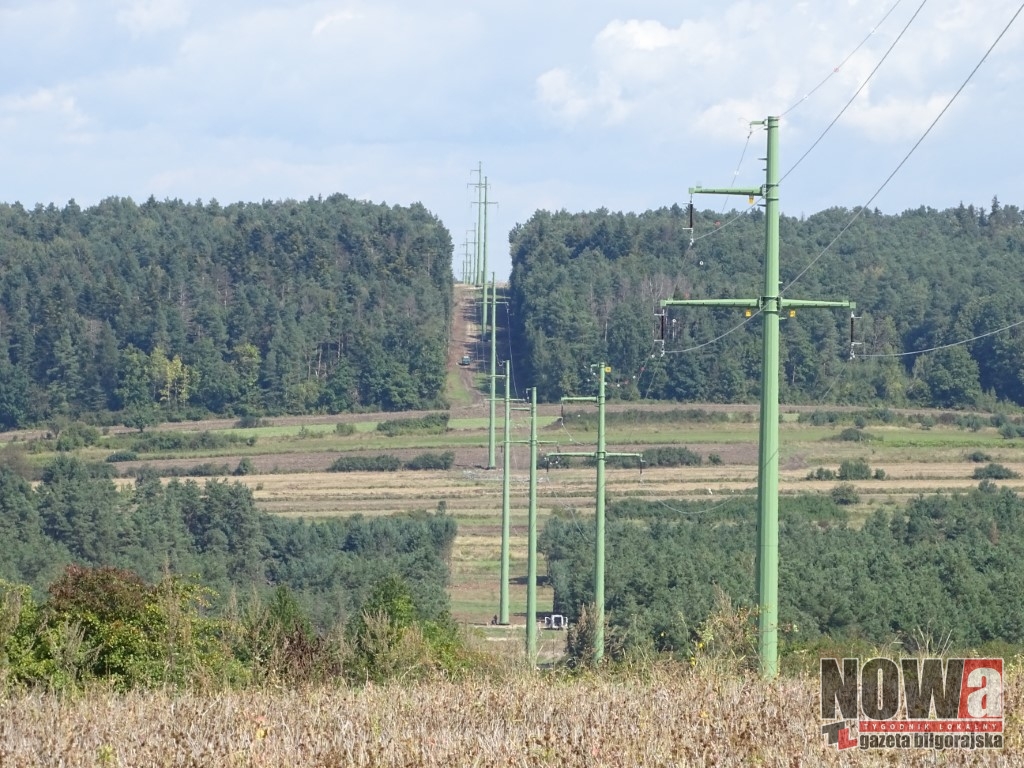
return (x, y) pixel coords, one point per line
(770, 304)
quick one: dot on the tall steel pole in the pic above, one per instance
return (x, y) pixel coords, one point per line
(599, 522)
(531, 541)
(506, 506)
(600, 455)
(494, 372)
(768, 462)
(770, 304)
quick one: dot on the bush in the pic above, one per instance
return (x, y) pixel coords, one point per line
(344, 430)
(245, 467)
(250, 421)
(432, 424)
(132, 633)
(854, 469)
(855, 435)
(389, 639)
(383, 463)
(844, 494)
(994, 472)
(118, 456)
(672, 456)
(432, 461)
(821, 474)
(77, 435)
(978, 457)
(154, 442)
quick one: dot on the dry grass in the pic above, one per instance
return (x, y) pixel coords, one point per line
(671, 717)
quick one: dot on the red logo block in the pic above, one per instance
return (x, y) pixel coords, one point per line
(981, 690)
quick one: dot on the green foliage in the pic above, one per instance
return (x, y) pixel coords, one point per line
(856, 435)
(431, 424)
(382, 463)
(250, 421)
(77, 435)
(431, 460)
(953, 557)
(584, 285)
(821, 473)
(978, 457)
(130, 633)
(344, 429)
(119, 456)
(854, 469)
(994, 472)
(845, 494)
(390, 637)
(161, 441)
(668, 456)
(167, 308)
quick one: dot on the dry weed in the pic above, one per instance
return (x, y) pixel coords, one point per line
(673, 717)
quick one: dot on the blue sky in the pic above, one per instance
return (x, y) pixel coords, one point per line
(568, 105)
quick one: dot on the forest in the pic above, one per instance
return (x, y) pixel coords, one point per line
(585, 287)
(168, 309)
(946, 565)
(213, 533)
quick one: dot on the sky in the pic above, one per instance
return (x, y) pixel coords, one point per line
(573, 105)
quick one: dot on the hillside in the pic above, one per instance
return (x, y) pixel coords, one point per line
(139, 313)
(585, 287)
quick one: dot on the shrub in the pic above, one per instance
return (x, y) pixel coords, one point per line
(854, 469)
(821, 473)
(994, 472)
(432, 461)
(250, 421)
(118, 456)
(245, 467)
(154, 442)
(671, 456)
(135, 633)
(77, 435)
(432, 423)
(382, 463)
(344, 430)
(844, 494)
(855, 435)
(978, 457)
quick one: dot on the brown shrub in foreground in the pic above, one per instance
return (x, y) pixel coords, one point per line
(671, 717)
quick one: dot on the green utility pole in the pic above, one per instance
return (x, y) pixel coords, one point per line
(599, 514)
(506, 506)
(770, 304)
(531, 541)
(494, 370)
(478, 267)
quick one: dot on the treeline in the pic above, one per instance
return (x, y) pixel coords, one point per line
(944, 564)
(138, 312)
(585, 287)
(214, 533)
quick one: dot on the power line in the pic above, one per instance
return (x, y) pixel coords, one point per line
(856, 93)
(947, 346)
(860, 211)
(849, 56)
